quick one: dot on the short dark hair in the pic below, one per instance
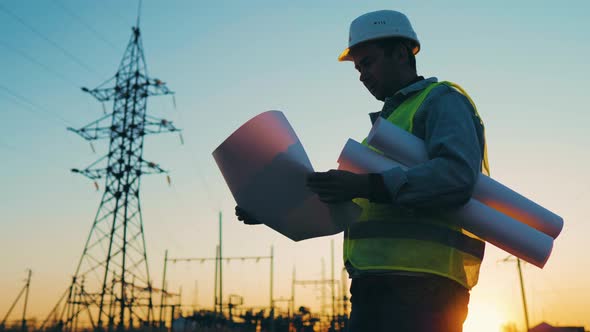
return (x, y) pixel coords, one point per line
(389, 44)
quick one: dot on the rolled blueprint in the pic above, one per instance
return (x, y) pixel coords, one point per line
(265, 166)
(409, 150)
(494, 227)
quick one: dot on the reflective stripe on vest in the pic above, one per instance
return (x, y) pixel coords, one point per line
(424, 232)
(386, 238)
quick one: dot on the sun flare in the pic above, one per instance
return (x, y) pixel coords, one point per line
(483, 318)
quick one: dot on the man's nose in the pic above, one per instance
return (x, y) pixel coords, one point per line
(363, 76)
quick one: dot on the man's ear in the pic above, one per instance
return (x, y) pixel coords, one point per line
(401, 53)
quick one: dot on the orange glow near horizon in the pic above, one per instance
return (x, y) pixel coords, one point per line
(483, 317)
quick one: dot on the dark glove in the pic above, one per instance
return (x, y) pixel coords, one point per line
(338, 186)
(245, 217)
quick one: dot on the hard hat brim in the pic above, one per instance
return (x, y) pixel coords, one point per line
(345, 55)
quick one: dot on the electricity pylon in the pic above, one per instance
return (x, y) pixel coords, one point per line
(111, 286)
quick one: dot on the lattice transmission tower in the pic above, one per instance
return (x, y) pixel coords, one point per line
(111, 288)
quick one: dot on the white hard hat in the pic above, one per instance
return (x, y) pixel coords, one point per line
(378, 25)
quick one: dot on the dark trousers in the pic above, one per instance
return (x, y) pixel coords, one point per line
(397, 303)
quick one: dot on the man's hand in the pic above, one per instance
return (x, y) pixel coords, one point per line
(245, 217)
(338, 186)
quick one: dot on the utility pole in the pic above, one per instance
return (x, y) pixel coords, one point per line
(333, 285)
(24, 290)
(220, 267)
(293, 279)
(27, 286)
(163, 290)
(526, 313)
(215, 301)
(116, 243)
(272, 302)
(272, 260)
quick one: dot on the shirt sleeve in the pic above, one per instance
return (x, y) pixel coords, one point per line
(447, 179)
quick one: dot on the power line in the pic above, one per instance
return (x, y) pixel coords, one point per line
(83, 22)
(37, 62)
(33, 106)
(56, 45)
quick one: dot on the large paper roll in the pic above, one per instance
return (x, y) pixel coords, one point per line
(494, 227)
(410, 150)
(265, 166)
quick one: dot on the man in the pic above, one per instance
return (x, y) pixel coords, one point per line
(411, 265)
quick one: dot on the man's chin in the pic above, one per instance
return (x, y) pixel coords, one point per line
(378, 96)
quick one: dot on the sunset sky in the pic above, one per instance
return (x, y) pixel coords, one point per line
(524, 63)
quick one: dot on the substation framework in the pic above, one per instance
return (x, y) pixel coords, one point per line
(339, 304)
(218, 290)
(218, 304)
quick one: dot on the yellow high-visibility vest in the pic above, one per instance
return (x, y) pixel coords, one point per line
(389, 238)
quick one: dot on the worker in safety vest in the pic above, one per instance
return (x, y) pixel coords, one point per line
(412, 267)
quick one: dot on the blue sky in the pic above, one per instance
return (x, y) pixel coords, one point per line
(525, 65)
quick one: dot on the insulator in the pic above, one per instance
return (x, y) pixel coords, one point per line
(181, 138)
(174, 101)
(168, 179)
(92, 147)
(96, 185)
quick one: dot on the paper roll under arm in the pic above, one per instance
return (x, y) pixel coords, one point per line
(494, 227)
(410, 150)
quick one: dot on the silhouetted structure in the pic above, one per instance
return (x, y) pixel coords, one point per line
(257, 320)
(111, 286)
(544, 327)
(25, 291)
